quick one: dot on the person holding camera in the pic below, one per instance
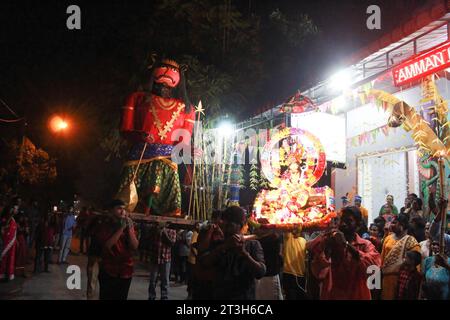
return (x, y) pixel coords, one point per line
(117, 238)
(342, 258)
(238, 262)
(209, 236)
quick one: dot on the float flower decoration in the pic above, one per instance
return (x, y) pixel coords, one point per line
(292, 202)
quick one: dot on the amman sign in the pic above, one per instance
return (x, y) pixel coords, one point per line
(422, 65)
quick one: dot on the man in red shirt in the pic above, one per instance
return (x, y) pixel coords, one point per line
(341, 259)
(116, 236)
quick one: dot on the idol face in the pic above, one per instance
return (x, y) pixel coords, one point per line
(168, 75)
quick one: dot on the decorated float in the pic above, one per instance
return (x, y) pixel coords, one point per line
(293, 161)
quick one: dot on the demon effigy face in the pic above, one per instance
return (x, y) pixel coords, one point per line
(168, 73)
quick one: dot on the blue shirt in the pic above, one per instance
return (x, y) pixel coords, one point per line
(69, 223)
(436, 278)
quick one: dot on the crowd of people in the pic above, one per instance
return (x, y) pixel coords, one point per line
(397, 256)
(32, 234)
(225, 259)
(228, 260)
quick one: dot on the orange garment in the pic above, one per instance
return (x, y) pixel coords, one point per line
(364, 213)
(392, 254)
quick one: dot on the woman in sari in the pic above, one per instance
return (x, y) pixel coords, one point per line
(8, 234)
(21, 245)
(388, 207)
(394, 250)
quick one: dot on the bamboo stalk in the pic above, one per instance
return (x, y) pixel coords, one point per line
(211, 188)
(221, 175)
(230, 171)
(443, 210)
(196, 132)
(195, 207)
(192, 188)
(224, 173)
(203, 190)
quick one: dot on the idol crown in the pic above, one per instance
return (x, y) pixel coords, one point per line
(171, 63)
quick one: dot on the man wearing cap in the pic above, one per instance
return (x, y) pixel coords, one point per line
(238, 263)
(364, 211)
(117, 239)
(345, 203)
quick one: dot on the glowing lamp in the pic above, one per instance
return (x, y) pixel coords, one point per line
(340, 81)
(225, 129)
(58, 124)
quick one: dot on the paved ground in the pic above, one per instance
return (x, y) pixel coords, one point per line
(52, 286)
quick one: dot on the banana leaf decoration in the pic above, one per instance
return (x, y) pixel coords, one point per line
(401, 114)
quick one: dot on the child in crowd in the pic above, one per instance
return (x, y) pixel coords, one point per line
(409, 279)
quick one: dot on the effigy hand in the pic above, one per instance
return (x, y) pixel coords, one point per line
(147, 137)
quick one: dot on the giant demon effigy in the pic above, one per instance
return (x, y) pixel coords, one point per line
(150, 182)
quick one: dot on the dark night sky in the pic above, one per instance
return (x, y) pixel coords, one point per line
(42, 62)
(44, 67)
(36, 46)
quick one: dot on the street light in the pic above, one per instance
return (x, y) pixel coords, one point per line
(225, 129)
(58, 124)
(340, 81)
(62, 125)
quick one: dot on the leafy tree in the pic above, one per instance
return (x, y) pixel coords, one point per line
(25, 164)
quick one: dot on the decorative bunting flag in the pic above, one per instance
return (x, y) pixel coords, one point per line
(369, 136)
(385, 130)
